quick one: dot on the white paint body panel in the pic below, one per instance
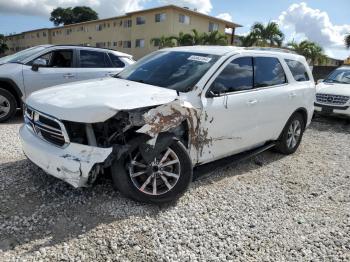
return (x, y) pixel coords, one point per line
(71, 164)
(97, 100)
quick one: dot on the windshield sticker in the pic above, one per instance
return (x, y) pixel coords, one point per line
(197, 58)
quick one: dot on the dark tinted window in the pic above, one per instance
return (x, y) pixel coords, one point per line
(116, 62)
(170, 69)
(268, 71)
(237, 76)
(298, 70)
(93, 59)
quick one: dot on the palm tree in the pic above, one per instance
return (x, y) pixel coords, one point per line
(311, 50)
(214, 38)
(247, 40)
(164, 41)
(184, 39)
(347, 41)
(3, 45)
(269, 35)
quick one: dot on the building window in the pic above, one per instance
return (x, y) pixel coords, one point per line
(140, 43)
(120, 43)
(128, 23)
(160, 17)
(99, 27)
(213, 27)
(44, 34)
(37, 35)
(68, 31)
(115, 43)
(126, 44)
(140, 20)
(184, 19)
(53, 33)
(115, 23)
(101, 44)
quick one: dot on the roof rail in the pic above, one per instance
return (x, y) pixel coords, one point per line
(273, 49)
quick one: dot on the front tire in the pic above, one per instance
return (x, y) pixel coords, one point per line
(8, 105)
(164, 180)
(291, 135)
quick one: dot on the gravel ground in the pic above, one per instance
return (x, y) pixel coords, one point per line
(294, 208)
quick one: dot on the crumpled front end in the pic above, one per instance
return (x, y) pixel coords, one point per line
(76, 164)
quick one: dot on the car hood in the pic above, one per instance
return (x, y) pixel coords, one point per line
(97, 100)
(333, 89)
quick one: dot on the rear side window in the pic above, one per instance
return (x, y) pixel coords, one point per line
(268, 71)
(92, 59)
(237, 76)
(116, 62)
(298, 70)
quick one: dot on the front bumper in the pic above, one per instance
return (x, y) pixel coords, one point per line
(72, 164)
(329, 110)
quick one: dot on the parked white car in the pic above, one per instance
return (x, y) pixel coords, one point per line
(42, 66)
(333, 93)
(167, 113)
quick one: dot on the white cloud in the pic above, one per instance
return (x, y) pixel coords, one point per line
(225, 16)
(203, 6)
(105, 8)
(313, 24)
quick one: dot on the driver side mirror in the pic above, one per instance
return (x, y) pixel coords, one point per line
(319, 81)
(38, 63)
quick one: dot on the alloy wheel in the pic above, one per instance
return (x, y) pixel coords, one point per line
(4, 106)
(158, 177)
(294, 133)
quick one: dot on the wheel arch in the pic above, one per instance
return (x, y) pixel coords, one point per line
(303, 112)
(10, 86)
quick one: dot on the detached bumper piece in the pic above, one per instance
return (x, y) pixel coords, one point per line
(74, 163)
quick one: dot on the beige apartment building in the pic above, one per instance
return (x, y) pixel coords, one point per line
(130, 33)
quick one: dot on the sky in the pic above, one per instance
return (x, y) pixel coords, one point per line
(322, 21)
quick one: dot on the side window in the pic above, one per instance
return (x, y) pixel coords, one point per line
(237, 76)
(92, 59)
(298, 70)
(268, 71)
(59, 58)
(116, 62)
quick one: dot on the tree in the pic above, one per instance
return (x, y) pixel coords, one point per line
(247, 40)
(311, 50)
(3, 45)
(347, 41)
(67, 16)
(164, 41)
(214, 38)
(269, 35)
(184, 39)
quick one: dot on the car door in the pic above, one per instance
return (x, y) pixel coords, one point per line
(59, 69)
(275, 96)
(95, 64)
(231, 111)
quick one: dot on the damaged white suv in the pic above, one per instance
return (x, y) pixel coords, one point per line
(173, 110)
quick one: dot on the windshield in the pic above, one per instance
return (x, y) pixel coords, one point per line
(22, 55)
(170, 69)
(341, 76)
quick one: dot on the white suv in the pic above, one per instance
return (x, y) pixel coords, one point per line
(47, 65)
(167, 113)
(333, 93)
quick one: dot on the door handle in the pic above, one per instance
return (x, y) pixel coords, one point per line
(252, 102)
(110, 74)
(292, 95)
(69, 75)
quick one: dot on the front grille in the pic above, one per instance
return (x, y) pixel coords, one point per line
(332, 99)
(46, 127)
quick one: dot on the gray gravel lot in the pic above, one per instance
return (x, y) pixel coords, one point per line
(271, 207)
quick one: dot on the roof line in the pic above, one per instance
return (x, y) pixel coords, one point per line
(136, 12)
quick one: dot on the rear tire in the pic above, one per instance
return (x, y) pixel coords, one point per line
(291, 135)
(8, 105)
(135, 179)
